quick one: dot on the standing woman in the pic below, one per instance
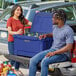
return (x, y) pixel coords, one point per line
(15, 25)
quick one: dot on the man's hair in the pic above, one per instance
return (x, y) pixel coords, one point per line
(60, 14)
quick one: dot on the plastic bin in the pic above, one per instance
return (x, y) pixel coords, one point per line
(29, 46)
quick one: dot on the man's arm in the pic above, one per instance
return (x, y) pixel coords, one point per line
(49, 35)
(45, 35)
(66, 48)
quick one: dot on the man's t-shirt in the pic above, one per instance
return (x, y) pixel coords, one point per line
(15, 25)
(62, 36)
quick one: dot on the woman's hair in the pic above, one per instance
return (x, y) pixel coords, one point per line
(60, 14)
(21, 17)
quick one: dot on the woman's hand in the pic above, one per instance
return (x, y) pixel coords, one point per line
(19, 31)
(14, 32)
(30, 23)
(42, 36)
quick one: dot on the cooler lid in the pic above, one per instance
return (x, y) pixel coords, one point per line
(42, 23)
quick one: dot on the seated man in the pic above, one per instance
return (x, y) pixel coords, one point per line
(60, 50)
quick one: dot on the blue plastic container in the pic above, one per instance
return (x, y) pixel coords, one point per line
(29, 45)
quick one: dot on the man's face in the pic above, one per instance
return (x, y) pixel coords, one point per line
(55, 20)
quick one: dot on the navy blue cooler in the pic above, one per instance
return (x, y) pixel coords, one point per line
(30, 45)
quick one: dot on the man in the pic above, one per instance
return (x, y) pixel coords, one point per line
(60, 50)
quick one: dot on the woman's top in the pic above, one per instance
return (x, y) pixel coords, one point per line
(15, 26)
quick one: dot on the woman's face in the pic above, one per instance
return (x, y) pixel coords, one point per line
(17, 12)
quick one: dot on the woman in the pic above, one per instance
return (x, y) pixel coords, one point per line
(15, 25)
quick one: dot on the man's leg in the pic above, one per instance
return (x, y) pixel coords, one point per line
(49, 60)
(34, 61)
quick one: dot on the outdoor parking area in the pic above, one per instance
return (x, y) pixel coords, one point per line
(36, 13)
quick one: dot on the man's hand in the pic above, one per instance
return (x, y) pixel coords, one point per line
(42, 36)
(50, 54)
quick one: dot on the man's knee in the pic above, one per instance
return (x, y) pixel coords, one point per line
(33, 61)
(44, 62)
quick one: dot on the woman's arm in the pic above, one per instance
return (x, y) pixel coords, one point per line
(12, 32)
(28, 23)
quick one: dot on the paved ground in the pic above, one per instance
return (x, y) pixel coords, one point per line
(4, 50)
(26, 72)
